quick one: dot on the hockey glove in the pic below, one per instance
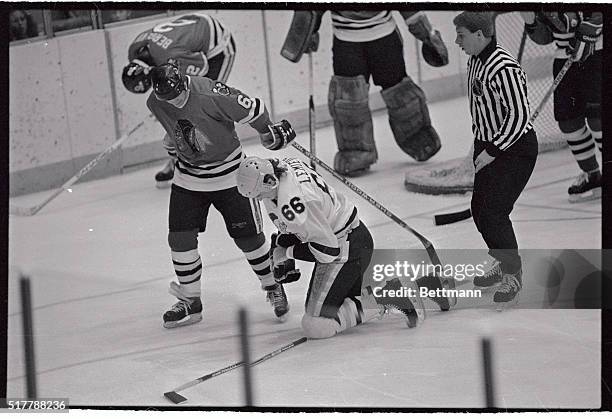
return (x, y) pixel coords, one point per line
(280, 135)
(313, 43)
(434, 50)
(283, 268)
(582, 46)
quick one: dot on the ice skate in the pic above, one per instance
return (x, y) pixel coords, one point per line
(278, 299)
(183, 313)
(490, 278)
(586, 187)
(165, 175)
(409, 304)
(507, 295)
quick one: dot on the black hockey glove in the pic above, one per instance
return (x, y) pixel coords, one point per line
(283, 268)
(582, 46)
(280, 135)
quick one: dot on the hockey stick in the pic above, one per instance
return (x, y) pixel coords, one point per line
(431, 251)
(453, 217)
(27, 211)
(176, 398)
(311, 111)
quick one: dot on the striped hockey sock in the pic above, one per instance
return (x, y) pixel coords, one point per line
(582, 145)
(188, 268)
(597, 137)
(260, 263)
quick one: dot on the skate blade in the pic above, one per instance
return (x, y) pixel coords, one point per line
(585, 197)
(283, 318)
(163, 184)
(499, 307)
(419, 307)
(191, 319)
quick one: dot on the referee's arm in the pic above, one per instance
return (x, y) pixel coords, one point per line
(511, 85)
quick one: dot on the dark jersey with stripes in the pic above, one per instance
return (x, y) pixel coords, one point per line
(191, 39)
(208, 151)
(499, 105)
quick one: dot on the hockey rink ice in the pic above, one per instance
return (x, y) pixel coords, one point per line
(100, 268)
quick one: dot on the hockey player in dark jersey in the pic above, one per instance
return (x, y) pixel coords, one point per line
(199, 43)
(367, 44)
(199, 115)
(318, 224)
(577, 99)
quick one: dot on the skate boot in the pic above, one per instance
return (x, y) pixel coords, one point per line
(165, 175)
(490, 278)
(432, 282)
(183, 313)
(409, 303)
(507, 294)
(278, 299)
(586, 187)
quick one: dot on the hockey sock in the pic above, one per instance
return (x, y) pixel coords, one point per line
(597, 137)
(188, 268)
(583, 148)
(260, 263)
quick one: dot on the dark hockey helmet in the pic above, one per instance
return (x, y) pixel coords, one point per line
(136, 77)
(168, 82)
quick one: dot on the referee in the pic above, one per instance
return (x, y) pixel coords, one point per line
(505, 147)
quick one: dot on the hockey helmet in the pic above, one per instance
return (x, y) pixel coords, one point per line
(256, 176)
(168, 82)
(136, 77)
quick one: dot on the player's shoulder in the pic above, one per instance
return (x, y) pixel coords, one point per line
(208, 87)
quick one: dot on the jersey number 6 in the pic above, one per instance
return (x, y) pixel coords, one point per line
(296, 205)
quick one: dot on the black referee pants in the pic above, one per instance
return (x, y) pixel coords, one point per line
(497, 186)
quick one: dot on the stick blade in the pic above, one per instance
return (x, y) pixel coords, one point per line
(21, 211)
(174, 397)
(452, 217)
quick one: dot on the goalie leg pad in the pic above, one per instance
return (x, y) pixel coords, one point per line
(409, 120)
(348, 106)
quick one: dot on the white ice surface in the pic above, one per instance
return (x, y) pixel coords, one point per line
(100, 268)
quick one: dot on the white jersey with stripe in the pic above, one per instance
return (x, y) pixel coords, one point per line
(309, 208)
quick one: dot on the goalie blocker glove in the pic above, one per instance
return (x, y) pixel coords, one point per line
(280, 135)
(433, 49)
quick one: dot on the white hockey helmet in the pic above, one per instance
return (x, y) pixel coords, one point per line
(256, 176)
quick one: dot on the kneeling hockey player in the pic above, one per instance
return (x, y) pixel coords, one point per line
(318, 224)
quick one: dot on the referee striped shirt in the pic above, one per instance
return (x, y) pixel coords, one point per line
(498, 98)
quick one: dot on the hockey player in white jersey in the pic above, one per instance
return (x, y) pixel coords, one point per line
(317, 224)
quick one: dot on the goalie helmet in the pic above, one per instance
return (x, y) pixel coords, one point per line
(136, 77)
(256, 176)
(168, 82)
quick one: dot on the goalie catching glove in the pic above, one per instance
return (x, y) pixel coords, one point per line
(283, 268)
(280, 135)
